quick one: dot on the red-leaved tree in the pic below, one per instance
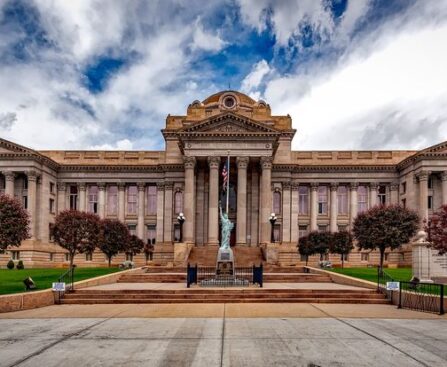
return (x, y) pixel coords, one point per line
(115, 238)
(341, 243)
(14, 222)
(436, 229)
(306, 248)
(135, 245)
(77, 232)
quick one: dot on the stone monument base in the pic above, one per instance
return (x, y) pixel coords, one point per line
(225, 263)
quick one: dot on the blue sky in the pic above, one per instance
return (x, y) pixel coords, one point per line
(104, 74)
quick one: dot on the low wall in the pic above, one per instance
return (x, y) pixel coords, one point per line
(35, 299)
(344, 279)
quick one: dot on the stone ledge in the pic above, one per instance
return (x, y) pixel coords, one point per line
(344, 279)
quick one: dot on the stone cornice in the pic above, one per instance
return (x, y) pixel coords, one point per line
(110, 168)
(331, 168)
(436, 152)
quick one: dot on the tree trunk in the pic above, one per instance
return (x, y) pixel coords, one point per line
(342, 261)
(110, 260)
(71, 259)
(307, 259)
(382, 255)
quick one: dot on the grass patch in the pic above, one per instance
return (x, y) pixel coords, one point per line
(11, 281)
(402, 274)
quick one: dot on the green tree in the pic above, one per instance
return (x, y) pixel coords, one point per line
(383, 227)
(320, 242)
(306, 248)
(77, 232)
(135, 246)
(341, 243)
(115, 238)
(14, 222)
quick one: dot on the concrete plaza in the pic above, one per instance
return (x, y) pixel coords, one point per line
(222, 335)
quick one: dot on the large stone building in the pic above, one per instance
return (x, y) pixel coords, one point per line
(307, 190)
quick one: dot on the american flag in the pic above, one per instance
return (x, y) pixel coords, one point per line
(225, 176)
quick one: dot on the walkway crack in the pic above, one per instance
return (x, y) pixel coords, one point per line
(223, 336)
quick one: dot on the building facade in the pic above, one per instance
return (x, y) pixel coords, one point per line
(307, 190)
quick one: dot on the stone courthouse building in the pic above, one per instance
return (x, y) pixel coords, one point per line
(307, 190)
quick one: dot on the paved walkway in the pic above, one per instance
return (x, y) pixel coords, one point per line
(223, 341)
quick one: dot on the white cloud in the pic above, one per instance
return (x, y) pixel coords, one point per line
(206, 41)
(124, 144)
(252, 81)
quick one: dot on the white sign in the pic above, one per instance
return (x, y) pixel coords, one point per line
(392, 286)
(59, 287)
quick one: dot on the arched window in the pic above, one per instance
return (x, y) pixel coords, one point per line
(277, 202)
(178, 202)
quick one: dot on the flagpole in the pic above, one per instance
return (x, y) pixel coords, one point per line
(228, 181)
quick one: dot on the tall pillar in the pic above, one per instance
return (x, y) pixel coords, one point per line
(353, 203)
(294, 233)
(169, 207)
(140, 223)
(101, 200)
(9, 183)
(32, 197)
(334, 212)
(286, 212)
(266, 199)
(121, 201)
(241, 229)
(423, 195)
(373, 194)
(190, 199)
(444, 187)
(213, 202)
(160, 211)
(394, 193)
(82, 197)
(61, 189)
(313, 206)
(254, 227)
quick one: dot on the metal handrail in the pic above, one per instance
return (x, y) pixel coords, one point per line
(68, 279)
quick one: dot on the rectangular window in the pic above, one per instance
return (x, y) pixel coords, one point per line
(344, 257)
(302, 231)
(342, 227)
(303, 201)
(362, 199)
(404, 187)
(430, 202)
(176, 232)
(52, 207)
(2, 185)
(132, 199)
(50, 231)
(129, 256)
(277, 233)
(178, 202)
(15, 255)
(365, 256)
(322, 200)
(112, 200)
(151, 200)
(276, 202)
(430, 182)
(73, 197)
(51, 256)
(342, 198)
(52, 187)
(25, 201)
(88, 256)
(322, 228)
(66, 257)
(381, 195)
(303, 257)
(132, 229)
(386, 256)
(93, 199)
(151, 233)
(401, 256)
(404, 203)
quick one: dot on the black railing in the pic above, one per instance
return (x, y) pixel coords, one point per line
(382, 279)
(426, 297)
(206, 276)
(68, 279)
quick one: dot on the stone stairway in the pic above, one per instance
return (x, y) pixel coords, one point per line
(213, 295)
(243, 255)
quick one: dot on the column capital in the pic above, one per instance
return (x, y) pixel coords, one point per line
(286, 185)
(444, 176)
(334, 186)
(314, 186)
(214, 162)
(101, 186)
(141, 186)
(189, 162)
(32, 175)
(121, 186)
(160, 186)
(169, 185)
(266, 162)
(423, 175)
(61, 186)
(394, 186)
(295, 186)
(353, 186)
(9, 175)
(82, 186)
(242, 162)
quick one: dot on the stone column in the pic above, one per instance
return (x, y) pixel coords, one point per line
(141, 205)
(286, 214)
(32, 197)
(373, 194)
(334, 212)
(189, 199)
(82, 197)
(213, 201)
(160, 211)
(121, 201)
(254, 228)
(353, 203)
(169, 208)
(313, 206)
(294, 233)
(444, 187)
(101, 199)
(423, 194)
(61, 189)
(9, 183)
(394, 193)
(266, 199)
(241, 229)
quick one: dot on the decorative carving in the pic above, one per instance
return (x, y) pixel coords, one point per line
(286, 185)
(295, 186)
(189, 162)
(334, 186)
(32, 175)
(214, 162)
(61, 186)
(141, 186)
(242, 162)
(266, 162)
(423, 175)
(121, 186)
(169, 185)
(444, 176)
(82, 186)
(354, 186)
(101, 186)
(314, 186)
(394, 186)
(9, 175)
(160, 186)
(373, 186)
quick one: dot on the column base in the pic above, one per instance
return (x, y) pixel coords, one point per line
(241, 244)
(213, 243)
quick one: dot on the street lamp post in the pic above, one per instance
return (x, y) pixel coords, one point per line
(272, 220)
(181, 219)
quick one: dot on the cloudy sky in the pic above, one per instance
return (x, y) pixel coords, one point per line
(90, 74)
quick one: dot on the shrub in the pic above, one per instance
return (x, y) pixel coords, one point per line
(20, 265)
(10, 265)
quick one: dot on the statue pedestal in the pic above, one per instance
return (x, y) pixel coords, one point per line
(225, 263)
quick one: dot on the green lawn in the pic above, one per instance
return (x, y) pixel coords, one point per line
(11, 281)
(403, 274)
